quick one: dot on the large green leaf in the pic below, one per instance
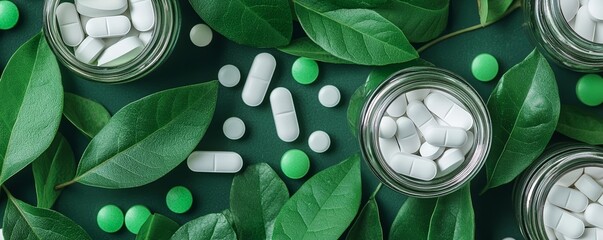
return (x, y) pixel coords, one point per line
(25, 222)
(31, 102)
(524, 108)
(361, 36)
(305, 47)
(493, 10)
(148, 138)
(208, 227)
(56, 165)
(448, 217)
(581, 124)
(359, 3)
(86, 115)
(368, 224)
(256, 197)
(324, 206)
(420, 21)
(256, 23)
(157, 227)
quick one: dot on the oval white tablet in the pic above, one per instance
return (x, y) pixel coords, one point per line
(594, 172)
(585, 25)
(214, 162)
(447, 110)
(69, 24)
(567, 198)
(319, 141)
(450, 160)
(89, 50)
(563, 222)
(96, 8)
(398, 107)
(283, 111)
(445, 136)
(413, 166)
(388, 147)
(407, 136)
(570, 178)
(142, 14)
(420, 116)
(596, 9)
(430, 151)
(201, 35)
(106, 27)
(329, 96)
(146, 37)
(387, 127)
(466, 148)
(594, 214)
(569, 8)
(589, 187)
(229, 75)
(234, 128)
(121, 52)
(258, 79)
(417, 95)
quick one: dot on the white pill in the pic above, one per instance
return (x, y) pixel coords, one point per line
(398, 107)
(595, 7)
(201, 35)
(413, 166)
(69, 24)
(450, 160)
(590, 234)
(589, 187)
(283, 111)
(229, 75)
(89, 50)
(417, 95)
(594, 172)
(441, 122)
(387, 127)
(319, 141)
(430, 151)
(580, 216)
(448, 111)
(146, 37)
(550, 233)
(569, 8)
(563, 222)
(214, 162)
(585, 25)
(407, 136)
(234, 128)
(388, 147)
(142, 14)
(568, 198)
(583, 2)
(329, 96)
(570, 178)
(121, 52)
(418, 113)
(106, 27)
(445, 136)
(96, 8)
(468, 144)
(258, 79)
(594, 214)
(599, 33)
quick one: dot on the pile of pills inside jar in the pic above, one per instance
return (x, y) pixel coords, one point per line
(585, 17)
(574, 207)
(425, 134)
(106, 33)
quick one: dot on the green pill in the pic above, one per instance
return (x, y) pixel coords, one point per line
(304, 70)
(9, 15)
(179, 199)
(484, 67)
(135, 217)
(295, 164)
(589, 89)
(110, 218)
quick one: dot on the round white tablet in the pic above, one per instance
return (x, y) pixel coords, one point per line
(329, 96)
(229, 76)
(201, 35)
(234, 128)
(319, 141)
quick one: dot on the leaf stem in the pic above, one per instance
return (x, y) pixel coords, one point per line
(512, 8)
(376, 191)
(7, 192)
(65, 184)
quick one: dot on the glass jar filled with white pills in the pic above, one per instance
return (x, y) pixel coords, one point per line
(570, 32)
(560, 195)
(425, 132)
(112, 41)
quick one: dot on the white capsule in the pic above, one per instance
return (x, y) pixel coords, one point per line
(585, 25)
(234, 128)
(589, 187)
(590, 234)
(430, 151)
(214, 162)
(450, 160)
(594, 214)
(417, 95)
(418, 113)
(599, 33)
(121, 52)
(142, 14)
(595, 7)
(448, 111)
(146, 37)
(69, 24)
(319, 141)
(283, 111)
(96, 8)
(89, 50)
(550, 233)
(229, 75)
(407, 136)
(594, 172)
(563, 222)
(445, 136)
(570, 178)
(580, 216)
(466, 148)
(567, 198)
(398, 107)
(413, 166)
(258, 79)
(106, 27)
(388, 147)
(387, 127)
(569, 8)
(329, 96)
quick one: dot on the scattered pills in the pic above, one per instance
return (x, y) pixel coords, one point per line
(283, 111)
(229, 75)
(319, 141)
(9, 15)
(484, 67)
(329, 96)
(304, 70)
(585, 18)
(234, 128)
(201, 35)
(588, 89)
(110, 218)
(135, 218)
(179, 199)
(258, 79)
(295, 164)
(214, 162)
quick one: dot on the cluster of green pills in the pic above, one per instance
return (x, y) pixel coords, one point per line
(9, 15)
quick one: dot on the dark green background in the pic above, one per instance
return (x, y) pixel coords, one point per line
(188, 64)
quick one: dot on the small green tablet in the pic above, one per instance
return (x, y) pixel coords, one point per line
(9, 15)
(110, 218)
(179, 199)
(135, 218)
(304, 70)
(484, 67)
(295, 164)
(589, 88)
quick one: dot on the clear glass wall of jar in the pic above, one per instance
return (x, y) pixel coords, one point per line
(555, 37)
(424, 78)
(533, 187)
(165, 36)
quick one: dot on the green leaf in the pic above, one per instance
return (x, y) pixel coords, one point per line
(361, 36)
(421, 21)
(31, 102)
(25, 222)
(359, 3)
(56, 165)
(581, 124)
(256, 197)
(324, 206)
(157, 227)
(148, 138)
(230, 218)
(448, 217)
(208, 227)
(524, 108)
(492, 10)
(86, 115)
(305, 47)
(368, 224)
(255, 23)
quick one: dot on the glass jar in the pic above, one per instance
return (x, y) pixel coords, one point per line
(532, 188)
(165, 36)
(415, 78)
(556, 38)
